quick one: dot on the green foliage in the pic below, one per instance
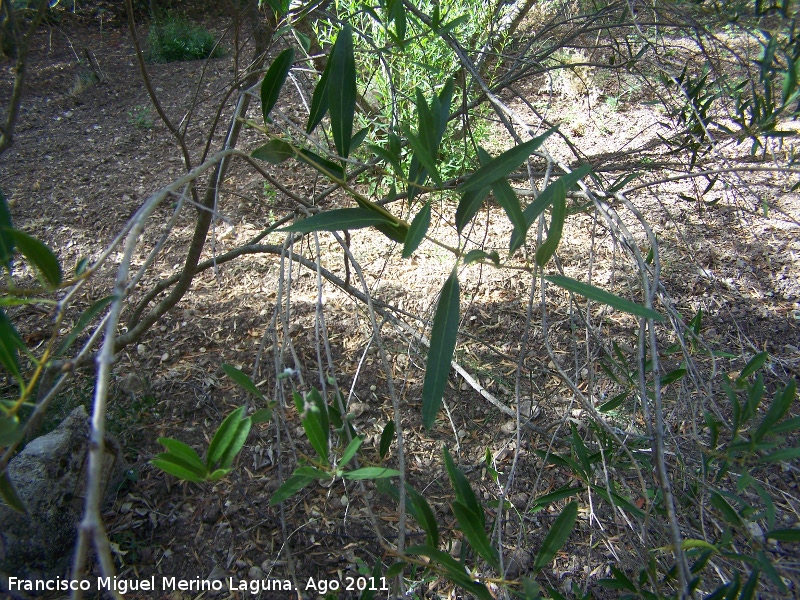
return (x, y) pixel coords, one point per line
(172, 38)
(319, 419)
(182, 460)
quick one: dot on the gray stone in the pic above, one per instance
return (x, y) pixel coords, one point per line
(50, 477)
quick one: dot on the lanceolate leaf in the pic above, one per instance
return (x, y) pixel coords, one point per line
(558, 534)
(392, 159)
(350, 451)
(424, 516)
(319, 100)
(426, 159)
(274, 80)
(237, 442)
(10, 342)
(342, 91)
(337, 220)
(545, 199)
(558, 214)
(183, 451)
(290, 487)
(84, 320)
(9, 493)
(242, 380)
(371, 473)
(417, 230)
(274, 152)
(500, 166)
(604, 297)
(6, 239)
(468, 206)
(462, 488)
(440, 353)
(39, 255)
(315, 421)
(178, 467)
(455, 571)
(326, 167)
(387, 436)
(224, 437)
(473, 529)
(507, 199)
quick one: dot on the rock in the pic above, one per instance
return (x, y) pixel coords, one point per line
(50, 477)
(518, 563)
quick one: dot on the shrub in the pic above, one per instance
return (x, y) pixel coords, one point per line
(174, 38)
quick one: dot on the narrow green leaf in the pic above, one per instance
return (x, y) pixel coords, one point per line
(468, 206)
(370, 473)
(273, 152)
(39, 255)
(397, 13)
(387, 436)
(358, 137)
(440, 353)
(217, 474)
(342, 92)
(621, 181)
(558, 214)
(780, 405)
(462, 488)
(728, 512)
(315, 421)
(10, 343)
(223, 437)
(337, 220)
(455, 571)
(424, 516)
(7, 245)
(307, 471)
(545, 199)
(10, 495)
(290, 487)
(557, 536)
(507, 199)
(274, 80)
(479, 255)
(474, 531)
(615, 402)
(326, 167)
(423, 155)
(501, 166)
(262, 415)
(83, 321)
(598, 295)
(784, 535)
(750, 586)
(417, 230)
(390, 158)
(786, 426)
(178, 468)
(319, 100)
(184, 452)
(395, 570)
(242, 380)
(281, 7)
(350, 451)
(560, 494)
(236, 444)
(753, 365)
(785, 455)
(673, 376)
(9, 429)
